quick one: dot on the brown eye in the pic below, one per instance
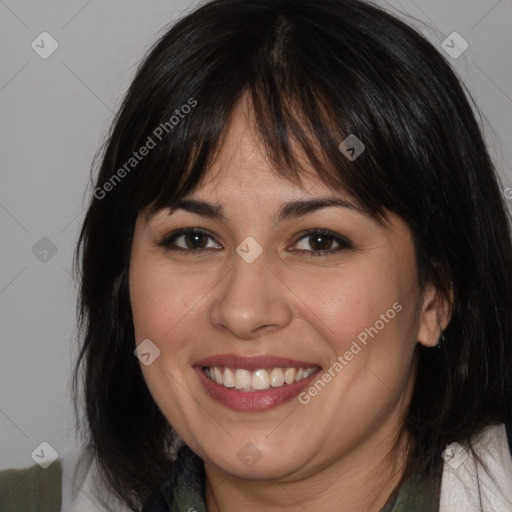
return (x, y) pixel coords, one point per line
(320, 242)
(195, 240)
(189, 240)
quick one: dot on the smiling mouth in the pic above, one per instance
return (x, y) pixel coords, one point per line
(256, 380)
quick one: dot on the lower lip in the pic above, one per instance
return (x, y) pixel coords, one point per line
(253, 401)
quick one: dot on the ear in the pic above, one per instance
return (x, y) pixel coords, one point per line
(435, 314)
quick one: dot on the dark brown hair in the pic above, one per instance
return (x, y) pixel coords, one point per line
(315, 71)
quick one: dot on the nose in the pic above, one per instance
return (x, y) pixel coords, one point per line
(252, 300)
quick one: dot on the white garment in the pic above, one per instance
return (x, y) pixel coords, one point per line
(81, 486)
(465, 486)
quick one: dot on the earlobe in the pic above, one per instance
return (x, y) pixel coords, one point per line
(435, 315)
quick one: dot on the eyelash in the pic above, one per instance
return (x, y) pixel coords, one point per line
(168, 240)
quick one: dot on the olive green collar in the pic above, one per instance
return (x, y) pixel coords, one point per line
(183, 489)
(420, 492)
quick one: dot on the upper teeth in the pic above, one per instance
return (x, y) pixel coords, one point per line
(257, 379)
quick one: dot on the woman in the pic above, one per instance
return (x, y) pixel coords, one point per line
(296, 273)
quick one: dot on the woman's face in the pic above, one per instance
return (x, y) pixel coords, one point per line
(254, 299)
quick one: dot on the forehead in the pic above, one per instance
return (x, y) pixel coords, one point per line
(242, 167)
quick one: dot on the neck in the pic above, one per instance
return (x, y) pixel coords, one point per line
(360, 482)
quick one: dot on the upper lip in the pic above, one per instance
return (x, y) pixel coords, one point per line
(253, 362)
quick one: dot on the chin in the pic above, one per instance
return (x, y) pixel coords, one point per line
(251, 463)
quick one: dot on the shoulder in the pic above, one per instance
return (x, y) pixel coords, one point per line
(32, 488)
(469, 486)
(83, 488)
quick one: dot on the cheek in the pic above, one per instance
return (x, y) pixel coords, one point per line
(365, 318)
(372, 305)
(165, 307)
(343, 304)
(164, 302)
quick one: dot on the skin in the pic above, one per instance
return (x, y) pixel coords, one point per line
(341, 451)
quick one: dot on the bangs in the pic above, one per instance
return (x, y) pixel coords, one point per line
(303, 108)
(298, 136)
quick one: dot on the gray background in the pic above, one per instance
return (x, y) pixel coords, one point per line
(55, 112)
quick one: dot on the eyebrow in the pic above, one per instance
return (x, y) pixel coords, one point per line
(290, 210)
